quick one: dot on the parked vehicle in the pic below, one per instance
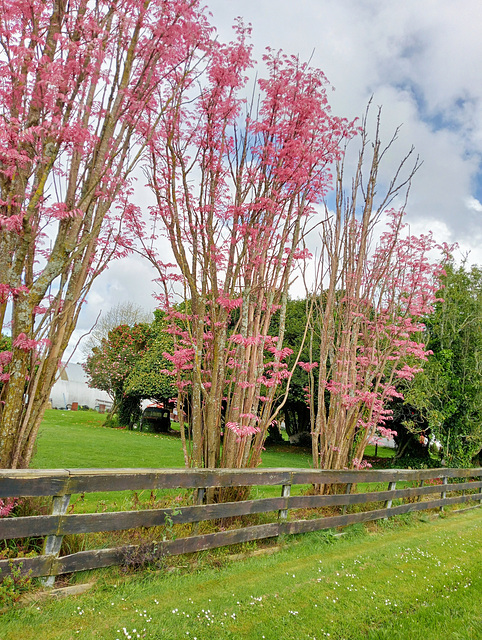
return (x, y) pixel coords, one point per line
(155, 419)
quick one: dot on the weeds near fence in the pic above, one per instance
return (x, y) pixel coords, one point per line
(13, 586)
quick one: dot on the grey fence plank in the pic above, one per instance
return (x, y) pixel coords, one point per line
(98, 558)
(90, 480)
(37, 566)
(33, 483)
(304, 526)
(106, 557)
(313, 476)
(15, 483)
(28, 527)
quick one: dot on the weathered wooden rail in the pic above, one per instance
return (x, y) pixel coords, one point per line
(456, 486)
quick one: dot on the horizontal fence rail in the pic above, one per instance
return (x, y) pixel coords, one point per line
(453, 486)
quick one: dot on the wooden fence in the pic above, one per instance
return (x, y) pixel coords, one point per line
(435, 488)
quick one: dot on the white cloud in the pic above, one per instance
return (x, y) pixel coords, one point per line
(473, 204)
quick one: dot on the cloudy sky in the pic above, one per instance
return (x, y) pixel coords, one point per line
(421, 60)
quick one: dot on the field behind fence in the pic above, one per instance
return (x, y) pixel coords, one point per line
(287, 514)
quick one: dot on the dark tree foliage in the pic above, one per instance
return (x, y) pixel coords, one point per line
(444, 403)
(110, 364)
(296, 411)
(146, 380)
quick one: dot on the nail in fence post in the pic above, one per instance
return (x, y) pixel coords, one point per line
(285, 493)
(388, 503)
(443, 495)
(53, 543)
(347, 492)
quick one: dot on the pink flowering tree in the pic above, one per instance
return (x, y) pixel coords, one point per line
(80, 92)
(236, 184)
(371, 296)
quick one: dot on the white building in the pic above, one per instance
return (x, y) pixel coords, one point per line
(71, 387)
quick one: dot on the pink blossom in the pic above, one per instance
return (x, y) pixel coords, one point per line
(360, 465)
(24, 343)
(5, 357)
(241, 430)
(7, 506)
(229, 304)
(308, 366)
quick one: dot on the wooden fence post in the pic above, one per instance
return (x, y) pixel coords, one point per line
(443, 495)
(53, 543)
(388, 503)
(480, 490)
(347, 492)
(199, 499)
(285, 493)
(200, 495)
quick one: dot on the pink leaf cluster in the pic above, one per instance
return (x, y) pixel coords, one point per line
(7, 506)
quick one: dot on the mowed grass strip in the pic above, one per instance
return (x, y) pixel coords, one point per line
(406, 579)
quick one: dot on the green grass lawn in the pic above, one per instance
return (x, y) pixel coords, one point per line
(407, 578)
(78, 439)
(401, 580)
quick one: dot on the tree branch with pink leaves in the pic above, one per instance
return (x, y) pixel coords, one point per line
(236, 184)
(370, 299)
